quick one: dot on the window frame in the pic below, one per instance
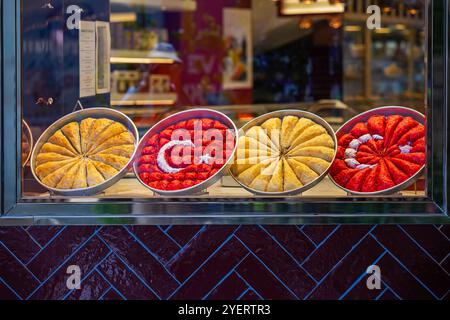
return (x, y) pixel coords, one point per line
(434, 209)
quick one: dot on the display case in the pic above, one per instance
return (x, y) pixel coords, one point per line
(227, 112)
(384, 64)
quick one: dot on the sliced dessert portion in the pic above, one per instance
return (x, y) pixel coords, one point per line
(273, 129)
(72, 132)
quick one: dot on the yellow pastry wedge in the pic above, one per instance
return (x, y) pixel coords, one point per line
(251, 173)
(288, 124)
(250, 148)
(50, 157)
(323, 140)
(243, 154)
(276, 183)
(299, 128)
(251, 144)
(260, 135)
(96, 129)
(61, 140)
(241, 165)
(53, 179)
(46, 169)
(310, 133)
(123, 151)
(319, 166)
(85, 130)
(72, 132)
(80, 179)
(273, 129)
(94, 177)
(291, 182)
(303, 172)
(261, 182)
(112, 160)
(69, 178)
(124, 138)
(324, 153)
(111, 131)
(53, 148)
(106, 170)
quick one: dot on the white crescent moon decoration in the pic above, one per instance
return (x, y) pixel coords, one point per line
(161, 159)
(352, 150)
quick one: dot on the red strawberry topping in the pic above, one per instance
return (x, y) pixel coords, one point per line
(398, 175)
(384, 180)
(371, 180)
(377, 125)
(355, 183)
(359, 130)
(345, 140)
(417, 158)
(391, 124)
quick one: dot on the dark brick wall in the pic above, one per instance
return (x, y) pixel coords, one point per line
(225, 262)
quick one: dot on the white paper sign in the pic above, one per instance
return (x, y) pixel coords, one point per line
(87, 59)
(103, 53)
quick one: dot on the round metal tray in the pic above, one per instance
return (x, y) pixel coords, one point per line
(281, 114)
(78, 117)
(27, 131)
(174, 119)
(364, 117)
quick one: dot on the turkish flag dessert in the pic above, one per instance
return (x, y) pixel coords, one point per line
(380, 154)
(185, 154)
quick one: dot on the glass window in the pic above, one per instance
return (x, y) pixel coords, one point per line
(303, 82)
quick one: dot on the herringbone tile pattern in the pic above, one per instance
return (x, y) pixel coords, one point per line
(225, 262)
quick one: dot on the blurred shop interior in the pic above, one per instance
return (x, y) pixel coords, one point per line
(242, 57)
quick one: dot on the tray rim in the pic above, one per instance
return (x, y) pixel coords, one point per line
(201, 186)
(31, 141)
(280, 114)
(416, 115)
(101, 112)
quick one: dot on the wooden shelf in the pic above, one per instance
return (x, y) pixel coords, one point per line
(136, 57)
(163, 5)
(131, 188)
(144, 99)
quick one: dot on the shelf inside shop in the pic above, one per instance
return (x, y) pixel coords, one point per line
(144, 99)
(137, 57)
(165, 5)
(226, 188)
(142, 111)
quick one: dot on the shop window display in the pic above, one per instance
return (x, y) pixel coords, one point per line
(243, 102)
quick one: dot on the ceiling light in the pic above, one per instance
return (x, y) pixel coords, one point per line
(335, 23)
(383, 30)
(296, 7)
(352, 28)
(305, 24)
(123, 17)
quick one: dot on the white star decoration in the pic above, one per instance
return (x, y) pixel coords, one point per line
(405, 149)
(205, 159)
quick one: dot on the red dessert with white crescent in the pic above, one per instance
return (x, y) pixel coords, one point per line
(185, 154)
(380, 154)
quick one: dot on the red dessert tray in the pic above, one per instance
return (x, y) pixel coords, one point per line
(380, 152)
(186, 153)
